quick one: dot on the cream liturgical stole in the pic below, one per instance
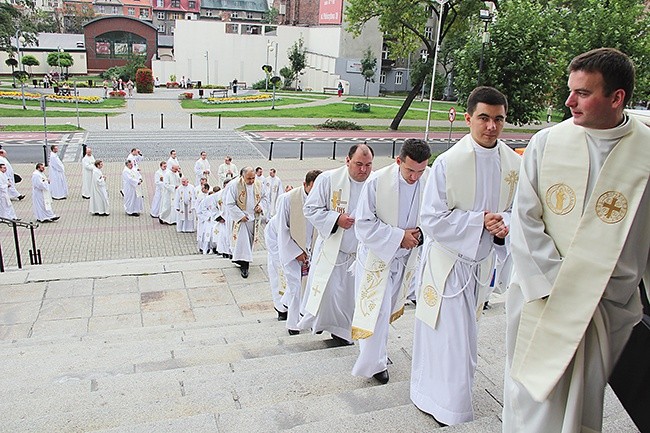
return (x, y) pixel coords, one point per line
(298, 227)
(47, 196)
(328, 255)
(375, 279)
(241, 203)
(551, 329)
(461, 192)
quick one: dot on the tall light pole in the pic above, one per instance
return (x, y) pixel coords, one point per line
(486, 17)
(275, 68)
(207, 67)
(268, 46)
(21, 67)
(59, 50)
(433, 72)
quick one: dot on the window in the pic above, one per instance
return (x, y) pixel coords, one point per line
(100, 9)
(234, 14)
(160, 3)
(144, 13)
(161, 28)
(208, 13)
(398, 77)
(384, 51)
(115, 10)
(161, 15)
(249, 15)
(131, 12)
(176, 3)
(382, 77)
(428, 33)
(424, 54)
(192, 4)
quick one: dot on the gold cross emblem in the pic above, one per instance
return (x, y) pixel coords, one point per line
(611, 207)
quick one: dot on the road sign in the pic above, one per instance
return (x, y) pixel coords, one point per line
(452, 114)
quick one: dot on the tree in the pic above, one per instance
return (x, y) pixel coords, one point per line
(297, 59)
(60, 60)
(271, 17)
(23, 16)
(74, 16)
(29, 60)
(404, 22)
(287, 74)
(368, 69)
(12, 62)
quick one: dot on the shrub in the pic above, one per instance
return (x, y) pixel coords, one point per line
(339, 124)
(361, 107)
(186, 95)
(144, 80)
(260, 85)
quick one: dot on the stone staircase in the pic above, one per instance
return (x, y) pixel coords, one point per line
(224, 374)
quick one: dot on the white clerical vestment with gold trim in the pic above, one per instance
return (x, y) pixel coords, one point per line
(456, 268)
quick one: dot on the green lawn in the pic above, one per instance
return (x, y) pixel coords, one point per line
(19, 112)
(197, 104)
(39, 128)
(460, 127)
(396, 102)
(106, 103)
(336, 110)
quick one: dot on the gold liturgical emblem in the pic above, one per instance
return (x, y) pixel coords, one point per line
(337, 204)
(511, 179)
(430, 296)
(560, 198)
(611, 207)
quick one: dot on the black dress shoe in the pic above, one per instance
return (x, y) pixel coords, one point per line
(382, 377)
(22, 196)
(341, 341)
(244, 272)
(55, 218)
(293, 331)
(282, 315)
(83, 196)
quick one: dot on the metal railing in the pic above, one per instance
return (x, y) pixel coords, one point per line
(34, 253)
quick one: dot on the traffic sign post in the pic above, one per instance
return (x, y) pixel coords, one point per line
(452, 117)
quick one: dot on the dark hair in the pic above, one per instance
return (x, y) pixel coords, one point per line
(40, 164)
(205, 185)
(258, 168)
(416, 149)
(311, 176)
(354, 147)
(128, 161)
(99, 161)
(52, 147)
(172, 151)
(616, 68)
(162, 162)
(486, 95)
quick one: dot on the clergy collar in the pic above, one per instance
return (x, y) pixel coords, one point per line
(613, 133)
(481, 149)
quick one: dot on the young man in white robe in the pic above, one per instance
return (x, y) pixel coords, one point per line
(227, 170)
(173, 160)
(465, 215)
(132, 190)
(184, 202)
(580, 246)
(202, 168)
(259, 175)
(87, 167)
(207, 214)
(58, 182)
(41, 197)
(389, 240)
(171, 181)
(159, 178)
(98, 204)
(135, 157)
(222, 228)
(6, 207)
(328, 303)
(246, 202)
(277, 280)
(296, 238)
(201, 195)
(11, 176)
(274, 188)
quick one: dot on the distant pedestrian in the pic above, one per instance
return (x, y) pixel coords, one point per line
(549, 113)
(340, 89)
(129, 87)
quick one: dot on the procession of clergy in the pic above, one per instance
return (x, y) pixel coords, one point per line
(350, 247)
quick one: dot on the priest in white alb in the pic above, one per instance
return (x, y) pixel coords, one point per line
(202, 168)
(227, 170)
(465, 215)
(171, 181)
(98, 204)
(41, 198)
(158, 177)
(11, 176)
(184, 202)
(580, 246)
(132, 189)
(58, 182)
(328, 303)
(87, 167)
(296, 236)
(247, 205)
(277, 280)
(274, 187)
(6, 207)
(173, 160)
(387, 258)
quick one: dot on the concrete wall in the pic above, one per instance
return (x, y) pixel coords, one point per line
(241, 56)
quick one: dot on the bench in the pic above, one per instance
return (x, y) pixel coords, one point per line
(331, 90)
(221, 93)
(240, 85)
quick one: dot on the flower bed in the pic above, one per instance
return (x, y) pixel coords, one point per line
(240, 99)
(117, 94)
(186, 95)
(51, 97)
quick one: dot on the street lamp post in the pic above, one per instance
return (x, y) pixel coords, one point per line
(486, 17)
(207, 68)
(433, 72)
(268, 46)
(275, 68)
(59, 50)
(21, 67)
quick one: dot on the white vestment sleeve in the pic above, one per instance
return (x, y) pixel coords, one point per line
(382, 239)
(316, 209)
(533, 251)
(288, 249)
(457, 229)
